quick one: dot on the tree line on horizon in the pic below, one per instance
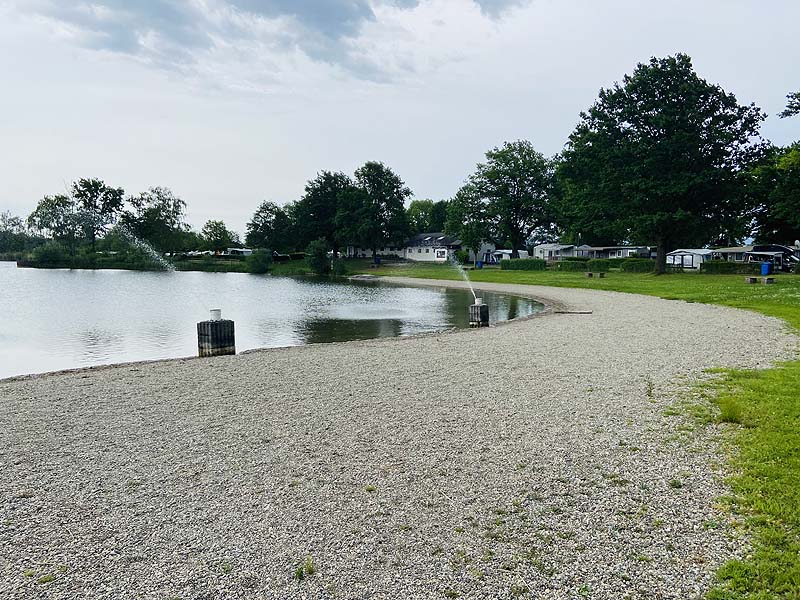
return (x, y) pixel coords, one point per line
(661, 158)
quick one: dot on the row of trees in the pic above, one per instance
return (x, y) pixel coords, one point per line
(89, 209)
(662, 158)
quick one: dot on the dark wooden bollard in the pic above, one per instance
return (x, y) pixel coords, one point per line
(215, 337)
(478, 314)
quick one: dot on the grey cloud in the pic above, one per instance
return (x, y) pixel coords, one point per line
(320, 28)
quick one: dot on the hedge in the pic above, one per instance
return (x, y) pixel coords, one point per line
(599, 265)
(638, 265)
(797, 269)
(523, 264)
(724, 266)
(576, 258)
(570, 265)
(616, 262)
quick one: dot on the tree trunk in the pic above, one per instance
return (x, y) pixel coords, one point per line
(661, 257)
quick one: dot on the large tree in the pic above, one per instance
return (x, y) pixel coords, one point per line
(216, 236)
(315, 213)
(59, 218)
(372, 214)
(466, 219)
(515, 184)
(659, 157)
(271, 227)
(99, 204)
(158, 217)
(775, 189)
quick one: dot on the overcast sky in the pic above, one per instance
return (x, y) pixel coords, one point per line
(231, 102)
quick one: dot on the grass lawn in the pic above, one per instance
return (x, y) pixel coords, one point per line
(764, 407)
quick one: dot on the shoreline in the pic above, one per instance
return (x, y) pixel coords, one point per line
(549, 307)
(544, 453)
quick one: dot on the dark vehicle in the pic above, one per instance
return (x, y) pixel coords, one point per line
(783, 258)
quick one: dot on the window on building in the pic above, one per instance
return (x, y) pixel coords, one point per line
(419, 250)
(427, 250)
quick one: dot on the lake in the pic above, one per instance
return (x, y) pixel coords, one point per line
(62, 319)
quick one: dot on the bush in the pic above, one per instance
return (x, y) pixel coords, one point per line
(523, 264)
(339, 268)
(462, 256)
(724, 266)
(259, 261)
(317, 257)
(638, 265)
(599, 265)
(615, 263)
(576, 258)
(51, 253)
(570, 265)
(797, 269)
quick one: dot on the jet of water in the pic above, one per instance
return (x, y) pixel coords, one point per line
(145, 247)
(462, 272)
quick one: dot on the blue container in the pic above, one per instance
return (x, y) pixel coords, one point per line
(479, 264)
(766, 268)
(377, 260)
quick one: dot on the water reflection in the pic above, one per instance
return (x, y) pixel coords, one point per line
(57, 319)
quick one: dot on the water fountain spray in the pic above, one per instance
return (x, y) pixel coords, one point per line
(478, 312)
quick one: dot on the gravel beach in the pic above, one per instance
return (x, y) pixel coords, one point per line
(536, 459)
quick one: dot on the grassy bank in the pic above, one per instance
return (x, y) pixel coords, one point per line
(763, 408)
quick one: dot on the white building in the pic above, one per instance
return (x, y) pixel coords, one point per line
(426, 247)
(614, 251)
(688, 258)
(554, 251)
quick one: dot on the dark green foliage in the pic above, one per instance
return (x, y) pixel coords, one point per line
(515, 185)
(720, 267)
(659, 159)
(576, 258)
(774, 186)
(467, 219)
(259, 261)
(426, 216)
(523, 264)
(638, 265)
(372, 213)
(315, 214)
(50, 254)
(99, 204)
(797, 269)
(317, 257)
(157, 217)
(15, 239)
(216, 236)
(792, 105)
(599, 265)
(571, 265)
(615, 263)
(270, 227)
(339, 268)
(462, 256)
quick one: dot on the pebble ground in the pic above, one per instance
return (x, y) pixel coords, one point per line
(537, 459)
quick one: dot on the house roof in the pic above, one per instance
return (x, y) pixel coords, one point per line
(701, 251)
(734, 249)
(586, 247)
(555, 246)
(436, 238)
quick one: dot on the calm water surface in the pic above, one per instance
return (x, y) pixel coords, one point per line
(61, 319)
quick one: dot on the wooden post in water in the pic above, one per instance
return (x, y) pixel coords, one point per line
(215, 337)
(479, 314)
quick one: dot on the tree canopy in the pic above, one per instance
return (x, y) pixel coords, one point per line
(775, 190)
(372, 213)
(315, 213)
(270, 227)
(158, 217)
(658, 157)
(515, 185)
(215, 235)
(792, 105)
